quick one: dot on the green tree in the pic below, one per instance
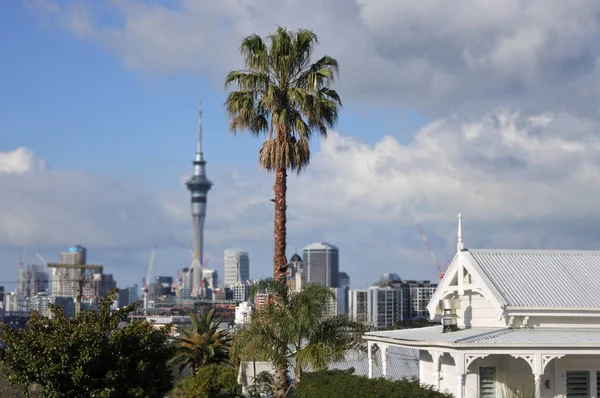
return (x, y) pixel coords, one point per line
(88, 356)
(295, 330)
(284, 96)
(202, 344)
(211, 381)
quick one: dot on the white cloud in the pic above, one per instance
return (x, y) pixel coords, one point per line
(503, 165)
(19, 161)
(428, 52)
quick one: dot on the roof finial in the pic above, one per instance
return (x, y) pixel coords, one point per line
(459, 244)
(200, 121)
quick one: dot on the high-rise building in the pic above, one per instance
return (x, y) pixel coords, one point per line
(388, 306)
(237, 267)
(198, 185)
(210, 278)
(186, 283)
(338, 304)
(107, 284)
(76, 254)
(39, 302)
(420, 295)
(296, 275)
(163, 286)
(128, 295)
(241, 291)
(358, 304)
(34, 281)
(344, 279)
(322, 264)
(65, 281)
(390, 300)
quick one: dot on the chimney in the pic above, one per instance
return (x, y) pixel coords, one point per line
(449, 317)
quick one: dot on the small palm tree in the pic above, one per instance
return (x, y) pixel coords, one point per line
(202, 344)
(296, 330)
(284, 96)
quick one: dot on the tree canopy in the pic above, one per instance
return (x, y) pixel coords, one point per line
(88, 356)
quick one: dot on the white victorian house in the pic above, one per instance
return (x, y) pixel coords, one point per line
(516, 323)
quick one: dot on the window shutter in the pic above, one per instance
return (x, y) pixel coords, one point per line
(578, 383)
(487, 382)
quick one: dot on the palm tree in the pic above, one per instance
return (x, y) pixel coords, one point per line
(284, 96)
(295, 330)
(202, 344)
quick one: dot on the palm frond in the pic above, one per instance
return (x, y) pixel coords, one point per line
(283, 95)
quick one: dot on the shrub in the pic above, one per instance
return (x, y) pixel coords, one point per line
(344, 384)
(211, 381)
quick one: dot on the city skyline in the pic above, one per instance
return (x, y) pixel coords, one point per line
(475, 119)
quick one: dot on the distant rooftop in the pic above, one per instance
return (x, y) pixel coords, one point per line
(320, 246)
(296, 258)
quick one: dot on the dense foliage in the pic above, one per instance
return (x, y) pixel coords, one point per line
(282, 95)
(344, 384)
(201, 344)
(294, 329)
(210, 381)
(7, 390)
(88, 356)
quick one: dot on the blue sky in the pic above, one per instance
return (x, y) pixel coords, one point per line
(77, 105)
(109, 90)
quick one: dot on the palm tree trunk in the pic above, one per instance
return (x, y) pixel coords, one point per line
(280, 383)
(279, 259)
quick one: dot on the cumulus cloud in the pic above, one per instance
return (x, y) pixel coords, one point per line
(20, 161)
(504, 164)
(429, 52)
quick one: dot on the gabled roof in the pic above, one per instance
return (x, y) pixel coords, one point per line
(543, 278)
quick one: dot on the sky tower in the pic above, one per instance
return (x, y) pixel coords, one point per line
(198, 185)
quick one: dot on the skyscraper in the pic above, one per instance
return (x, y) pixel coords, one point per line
(322, 264)
(237, 266)
(198, 185)
(65, 281)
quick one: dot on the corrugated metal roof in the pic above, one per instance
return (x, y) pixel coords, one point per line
(543, 278)
(535, 336)
(432, 334)
(539, 337)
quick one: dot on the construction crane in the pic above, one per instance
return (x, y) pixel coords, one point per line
(441, 270)
(146, 280)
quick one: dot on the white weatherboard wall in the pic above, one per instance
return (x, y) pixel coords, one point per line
(477, 311)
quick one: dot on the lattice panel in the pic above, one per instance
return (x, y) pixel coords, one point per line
(401, 363)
